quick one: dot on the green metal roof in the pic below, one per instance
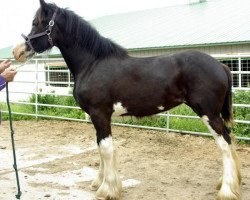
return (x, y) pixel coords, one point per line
(6, 52)
(211, 22)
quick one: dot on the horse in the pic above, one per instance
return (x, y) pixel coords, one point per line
(106, 78)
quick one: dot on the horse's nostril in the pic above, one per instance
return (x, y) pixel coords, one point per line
(14, 53)
(18, 55)
(21, 53)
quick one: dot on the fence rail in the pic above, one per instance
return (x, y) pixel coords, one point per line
(39, 78)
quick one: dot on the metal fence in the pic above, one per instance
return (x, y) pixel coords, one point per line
(50, 76)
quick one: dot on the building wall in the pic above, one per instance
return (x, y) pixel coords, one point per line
(212, 50)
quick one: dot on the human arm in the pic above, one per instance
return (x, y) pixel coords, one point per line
(2, 82)
(7, 76)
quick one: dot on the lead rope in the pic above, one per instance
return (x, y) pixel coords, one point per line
(19, 193)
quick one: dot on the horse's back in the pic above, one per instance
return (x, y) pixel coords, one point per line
(203, 64)
(200, 70)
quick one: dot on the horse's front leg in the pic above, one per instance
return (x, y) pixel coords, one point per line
(98, 181)
(108, 183)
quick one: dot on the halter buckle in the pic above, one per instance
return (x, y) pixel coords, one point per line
(48, 32)
(51, 23)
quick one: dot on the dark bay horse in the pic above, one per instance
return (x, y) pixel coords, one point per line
(106, 78)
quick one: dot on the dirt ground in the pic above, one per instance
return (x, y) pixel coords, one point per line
(58, 159)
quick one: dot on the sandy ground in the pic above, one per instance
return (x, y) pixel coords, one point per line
(58, 159)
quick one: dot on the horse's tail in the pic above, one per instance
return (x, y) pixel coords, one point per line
(227, 110)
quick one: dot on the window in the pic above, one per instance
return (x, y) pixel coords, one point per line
(245, 67)
(58, 75)
(233, 64)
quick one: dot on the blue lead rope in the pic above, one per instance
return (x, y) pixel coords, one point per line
(19, 193)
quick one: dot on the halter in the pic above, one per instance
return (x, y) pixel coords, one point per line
(46, 32)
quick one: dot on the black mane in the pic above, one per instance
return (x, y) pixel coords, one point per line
(88, 37)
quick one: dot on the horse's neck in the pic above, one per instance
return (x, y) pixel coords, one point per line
(80, 57)
(77, 59)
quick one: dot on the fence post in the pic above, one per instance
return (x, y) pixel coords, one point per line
(168, 121)
(36, 89)
(87, 117)
(68, 78)
(239, 70)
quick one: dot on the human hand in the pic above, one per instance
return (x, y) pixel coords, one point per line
(4, 65)
(9, 74)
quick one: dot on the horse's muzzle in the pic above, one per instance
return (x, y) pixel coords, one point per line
(20, 53)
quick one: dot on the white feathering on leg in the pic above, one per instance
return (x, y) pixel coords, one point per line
(230, 185)
(111, 185)
(98, 181)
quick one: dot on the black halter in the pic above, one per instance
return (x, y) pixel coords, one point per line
(46, 32)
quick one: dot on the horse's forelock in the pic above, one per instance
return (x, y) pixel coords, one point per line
(39, 16)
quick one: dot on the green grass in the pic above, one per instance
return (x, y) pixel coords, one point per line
(154, 121)
(45, 110)
(182, 110)
(184, 124)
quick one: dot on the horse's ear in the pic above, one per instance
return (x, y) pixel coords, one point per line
(43, 5)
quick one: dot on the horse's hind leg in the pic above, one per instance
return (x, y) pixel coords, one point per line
(229, 185)
(108, 183)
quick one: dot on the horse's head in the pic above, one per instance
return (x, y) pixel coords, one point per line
(43, 34)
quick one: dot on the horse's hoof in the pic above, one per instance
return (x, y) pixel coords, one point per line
(106, 198)
(109, 192)
(103, 196)
(228, 196)
(94, 186)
